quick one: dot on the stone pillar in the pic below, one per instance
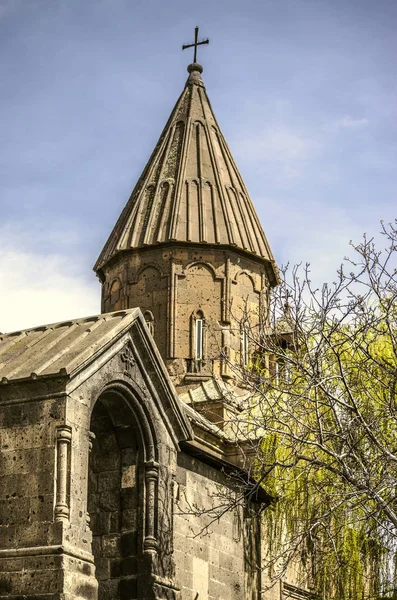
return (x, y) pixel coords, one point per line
(64, 436)
(151, 479)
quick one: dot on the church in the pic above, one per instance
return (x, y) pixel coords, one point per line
(116, 437)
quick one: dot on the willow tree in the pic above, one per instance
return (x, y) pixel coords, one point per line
(322, 424)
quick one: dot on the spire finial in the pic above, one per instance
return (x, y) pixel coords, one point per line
(195, 44)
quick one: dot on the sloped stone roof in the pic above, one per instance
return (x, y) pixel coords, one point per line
(68, 354)
(190, 190)
(215, 390)
(59, 348)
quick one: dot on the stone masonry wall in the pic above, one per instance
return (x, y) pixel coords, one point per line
(27, 450)
(214, 560)
(173, 284)
(221, 559)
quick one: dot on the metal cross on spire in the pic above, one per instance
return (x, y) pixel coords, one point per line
(195, 44)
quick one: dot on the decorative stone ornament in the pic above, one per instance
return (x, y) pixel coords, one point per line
(128, 359)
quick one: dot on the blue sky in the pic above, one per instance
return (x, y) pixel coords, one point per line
(304, 90)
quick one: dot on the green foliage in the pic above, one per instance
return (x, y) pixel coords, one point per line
(329, 454)
(336, 554)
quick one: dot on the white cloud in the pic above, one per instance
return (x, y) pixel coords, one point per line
(346, 122)
(37, 289)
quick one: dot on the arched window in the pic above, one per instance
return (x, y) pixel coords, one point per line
(197, 342)
(149, 318)
(199, 336)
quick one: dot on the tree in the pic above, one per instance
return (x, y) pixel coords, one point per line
(322, 423)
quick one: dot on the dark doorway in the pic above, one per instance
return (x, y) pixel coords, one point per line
(114, 504)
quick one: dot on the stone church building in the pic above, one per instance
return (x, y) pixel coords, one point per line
(114, 429)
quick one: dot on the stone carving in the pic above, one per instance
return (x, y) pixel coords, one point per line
(128, 359)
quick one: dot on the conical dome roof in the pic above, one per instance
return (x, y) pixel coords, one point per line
(190, 190)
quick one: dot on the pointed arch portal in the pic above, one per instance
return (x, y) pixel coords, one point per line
(122, 492)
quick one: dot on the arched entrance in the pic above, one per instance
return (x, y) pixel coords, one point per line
(115, 492)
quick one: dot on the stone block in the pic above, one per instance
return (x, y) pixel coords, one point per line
(111, 545)
(108, 480)
(14, 510)
(34, 534)
(93, 507)
(5, 585)
(107, 462)
(109, 589)
(115, 568)
(30, 583)
(128, 498)
(108, 443)
(129, 543)
(27, 484)
(30, 436)
(128, 456)
(42, 563)
(214, 556)
(184, 562)
(96, 545)
(27, 460)
(92, 481)
(200, 577)
(84, 591)
(14, 414)
(128, 476)
(102, 523)
(84, 568)
(102, 570)
(128, 588)
(218, 589)
(109, 501)
(114, 525)
(8, 565)
(23, 414)
(129, 519)
(180, 476)
(41, 508)
(129, 565)
(227, 561)
(126, 437)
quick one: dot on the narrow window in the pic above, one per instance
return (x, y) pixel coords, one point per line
(245, 347)
(287, 372)
(199, 338)
(196, 362)
(282, 371)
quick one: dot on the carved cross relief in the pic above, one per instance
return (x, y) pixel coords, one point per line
(128, 359)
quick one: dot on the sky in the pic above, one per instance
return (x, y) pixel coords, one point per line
(305, 92)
